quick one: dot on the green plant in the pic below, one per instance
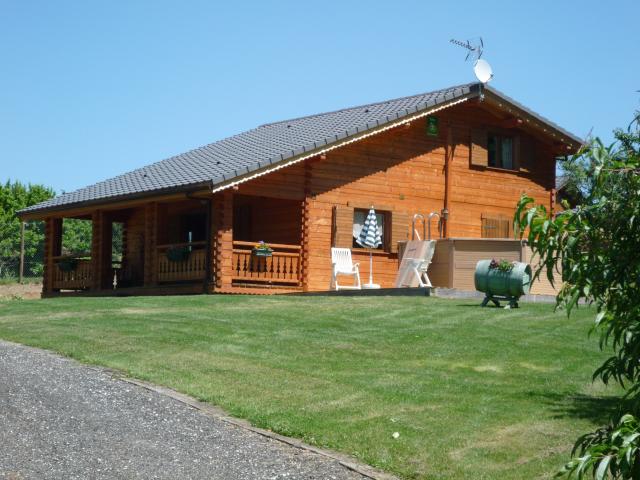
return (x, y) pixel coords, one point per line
(501, 265)
(597, 245)
(262, 246)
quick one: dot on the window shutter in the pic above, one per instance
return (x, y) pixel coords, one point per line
(399, 229)
(342, 226)
(527, 153)
(495, 226)
(478, 154)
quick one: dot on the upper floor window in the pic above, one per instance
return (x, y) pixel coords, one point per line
(500, 151)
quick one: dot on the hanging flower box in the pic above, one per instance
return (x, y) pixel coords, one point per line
(262, 249)
(178, 254)
(67, 264)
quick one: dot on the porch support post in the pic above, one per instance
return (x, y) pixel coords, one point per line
(304, 251)
(305, 225)
(52, 248)
(209, 267)
(223, 240)
(150, 244)
(21, 272)
(97, 249)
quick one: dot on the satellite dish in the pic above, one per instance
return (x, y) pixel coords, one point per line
(483, 70)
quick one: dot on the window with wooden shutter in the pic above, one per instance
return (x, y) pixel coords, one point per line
(478, 149)
(496, 226)
(342, 226)
(399, 230)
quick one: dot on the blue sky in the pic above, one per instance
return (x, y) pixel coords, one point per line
(89, 90)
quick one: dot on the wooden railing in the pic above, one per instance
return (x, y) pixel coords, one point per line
(194, 267)
(79, 278)
(283, 267)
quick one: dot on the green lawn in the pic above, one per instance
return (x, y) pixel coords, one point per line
(474, 392)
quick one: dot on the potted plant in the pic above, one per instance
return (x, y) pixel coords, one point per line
(178, 254)
(67, 264)
(501, 265)
(262, 249)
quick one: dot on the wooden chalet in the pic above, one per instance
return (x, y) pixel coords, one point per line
(189, 223)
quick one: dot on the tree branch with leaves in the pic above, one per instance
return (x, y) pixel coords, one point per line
(596, 246)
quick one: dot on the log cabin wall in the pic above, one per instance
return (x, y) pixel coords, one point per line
(401, 171)
(272, 220)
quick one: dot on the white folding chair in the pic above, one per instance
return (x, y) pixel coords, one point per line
(342, 264)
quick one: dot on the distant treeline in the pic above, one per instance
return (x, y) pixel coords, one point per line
(15, 196)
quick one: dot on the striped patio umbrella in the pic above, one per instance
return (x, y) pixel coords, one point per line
(370, 237)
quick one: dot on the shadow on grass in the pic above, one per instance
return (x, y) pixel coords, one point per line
(598, 409)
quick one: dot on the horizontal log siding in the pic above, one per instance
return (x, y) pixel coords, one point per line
(403, 169)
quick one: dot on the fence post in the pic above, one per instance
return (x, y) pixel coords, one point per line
(21, 275)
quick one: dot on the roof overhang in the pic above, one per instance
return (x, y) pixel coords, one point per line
(565, 141)
(120, 201)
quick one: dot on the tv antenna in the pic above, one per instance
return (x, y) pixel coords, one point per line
(481, 68)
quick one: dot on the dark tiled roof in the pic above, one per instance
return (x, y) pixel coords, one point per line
(254, 149)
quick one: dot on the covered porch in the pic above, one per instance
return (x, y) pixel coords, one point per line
(185, 245)
(130, 248)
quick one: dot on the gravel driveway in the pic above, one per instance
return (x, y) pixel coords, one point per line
(60, 419)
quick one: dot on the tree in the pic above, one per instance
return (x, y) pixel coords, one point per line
(597, 243)
(577, 179)
(13, 197)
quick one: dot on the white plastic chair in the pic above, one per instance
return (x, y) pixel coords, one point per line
(342, 264)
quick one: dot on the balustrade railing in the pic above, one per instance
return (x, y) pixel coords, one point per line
(72, 274)
(182, 262)
(282, 267)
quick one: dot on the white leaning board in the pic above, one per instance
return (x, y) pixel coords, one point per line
(414, 250)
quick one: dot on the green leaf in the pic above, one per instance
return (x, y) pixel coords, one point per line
(601, 472)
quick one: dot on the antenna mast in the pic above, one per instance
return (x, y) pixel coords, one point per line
(481, 67)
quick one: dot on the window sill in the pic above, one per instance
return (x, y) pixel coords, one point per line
(373, 251)
(504, 170)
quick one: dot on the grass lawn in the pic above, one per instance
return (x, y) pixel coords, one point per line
(474, 392)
